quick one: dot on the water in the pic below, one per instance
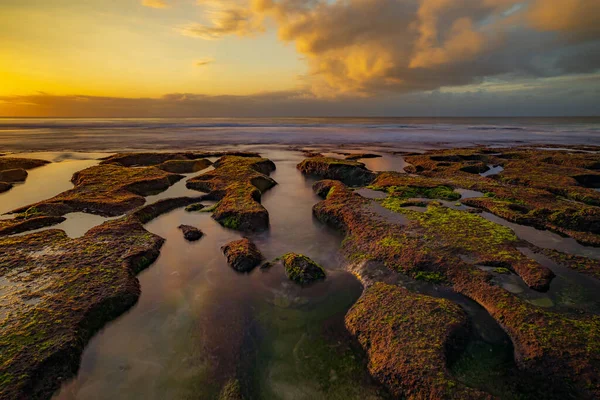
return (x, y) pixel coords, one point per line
(189, 133)
(199, 323)
(46, 181)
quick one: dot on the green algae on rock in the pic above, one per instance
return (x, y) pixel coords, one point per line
(407, 337)
(194, 207)
(20, 225)
(242, 255)
(302, 269)
(237, 183)
(61, 292)
(358, 156)
(350, 172)
(560, 349)
(231, 391)
(547, 189)
(407, 186)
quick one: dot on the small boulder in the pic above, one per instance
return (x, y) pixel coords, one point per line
(362, 155)
(5, 186)
(242, 255)
(194, 207)
(302, 269)
(191, 233)
(13, 175)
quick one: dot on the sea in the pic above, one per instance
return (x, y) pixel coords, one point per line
(107, 134)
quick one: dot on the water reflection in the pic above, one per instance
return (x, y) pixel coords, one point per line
(199, 323)
(44, 182)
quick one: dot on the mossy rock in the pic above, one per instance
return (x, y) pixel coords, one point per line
(302, 269)
(231, 391)
(13, 175)
(238, 183)
(350, 172)
(108, 189)
(242, 255)
(191, 233)
(11, 163)
(194, 207)
(185, 166)
(4, 187)
(407, 337)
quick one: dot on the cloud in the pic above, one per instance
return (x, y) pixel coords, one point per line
(155, 3)
(577, 19)
(575, 95)
(373, 46)
(204, 61)
(224, 18)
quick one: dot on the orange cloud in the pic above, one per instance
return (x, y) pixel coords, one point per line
(155, 3)
(363, 46)
(204, 61)
(577, 18)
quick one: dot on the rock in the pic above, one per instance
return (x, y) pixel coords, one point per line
(13, 175)
(79, 285)
(548, 345)
(5, 187)
(242, 255)
(7, 163)
(185, 166)
(231, 391)
(352, 173)
(108, 189)
(191, 233)
(238, 184)
(194, 207)
(362, 155)
(20, 225)
(302, 269)
(148, 212)
(407, 337)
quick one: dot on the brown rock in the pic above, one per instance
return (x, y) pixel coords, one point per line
(242, 255)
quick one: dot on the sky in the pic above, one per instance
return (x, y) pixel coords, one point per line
(214, 58)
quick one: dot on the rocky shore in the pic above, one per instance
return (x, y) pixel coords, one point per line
(417, 225)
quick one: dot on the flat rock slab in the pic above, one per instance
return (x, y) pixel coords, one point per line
(242, 255)
(194, 207)
(302, 269)
(191, 233)
(350, 172)
(4, 186)
(13, 175)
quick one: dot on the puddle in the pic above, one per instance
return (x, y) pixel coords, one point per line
(371, 194)
(494, 170)
(545, 239)
(569, 288)
(468, 194)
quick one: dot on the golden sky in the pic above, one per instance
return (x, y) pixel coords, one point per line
(58, 52)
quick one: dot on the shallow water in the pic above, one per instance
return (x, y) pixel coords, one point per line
(494, 170)
(199, 323)
(46, 181)
(546, 239)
